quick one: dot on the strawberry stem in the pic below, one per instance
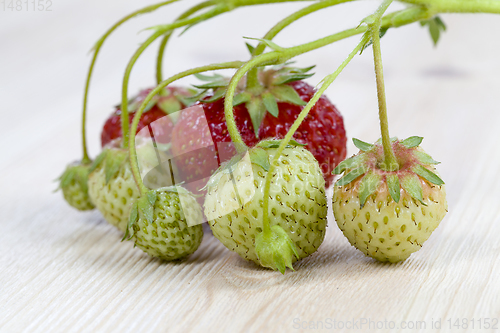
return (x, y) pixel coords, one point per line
(390, 162)
(135, 122)
(97, 47)
(166, 38)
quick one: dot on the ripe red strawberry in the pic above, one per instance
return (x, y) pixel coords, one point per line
(322, 131)
(169, 101)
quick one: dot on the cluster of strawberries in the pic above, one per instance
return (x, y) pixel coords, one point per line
(266, 204)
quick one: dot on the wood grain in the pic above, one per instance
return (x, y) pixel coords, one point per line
(66, 271)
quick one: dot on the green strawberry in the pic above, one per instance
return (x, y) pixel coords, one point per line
(166, 223)
(388, 215)
(73, 183)
(297, 206)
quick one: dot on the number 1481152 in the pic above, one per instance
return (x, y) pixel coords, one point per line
(26, 5)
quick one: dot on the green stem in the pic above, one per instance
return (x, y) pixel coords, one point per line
(327, 81)
(221, 7)
(390, 161)
(260, 48)
(97, 47)
(135, 122)
(459, 6)
(164, 41)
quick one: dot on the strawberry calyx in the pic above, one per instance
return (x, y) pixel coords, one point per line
(272, 87)
(275, 249)
(414, 167)
(76, 173)
(113, 159)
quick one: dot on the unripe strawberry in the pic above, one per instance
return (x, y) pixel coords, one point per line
(73, 183)
(388, 215)
(166, 223)
(297, 205)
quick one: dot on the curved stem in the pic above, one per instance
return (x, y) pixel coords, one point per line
(135, 122)
(327, 81)
(97, 47)
(164, 41)
(260, 48)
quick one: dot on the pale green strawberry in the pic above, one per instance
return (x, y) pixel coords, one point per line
(166, 223)
(73, 183)
(297, 206)
(388, 215)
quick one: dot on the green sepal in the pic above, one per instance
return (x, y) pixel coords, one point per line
(349, 163)
(270, 103)
(368, 186)
(208, 78)
(257, 111)
(412, 185)
(170, 105)
(428, 175)
(412, 141)
(361, 145)
(68, 175)
(285, 75)
(382, 32)
(394, 187)
(241, 98)
(211, 85)
(350, 176)
(436, 25)
(277, 143)
(250, 48)
(424, 158)
(146, 205)
(260, 157)
(218, 93)
(275, 249)
(113, 163)
(133, 218)
(98, 160)
(285, 93)
(270, 43)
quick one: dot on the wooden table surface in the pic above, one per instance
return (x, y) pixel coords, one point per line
(66, 271)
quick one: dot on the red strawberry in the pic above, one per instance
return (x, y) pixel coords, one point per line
(322, 131)
(168, 102)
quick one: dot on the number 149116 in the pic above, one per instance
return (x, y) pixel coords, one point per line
(26, 5)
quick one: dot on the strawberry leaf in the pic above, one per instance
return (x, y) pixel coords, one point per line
(350, 163)
(361, 145)
(256, 110)
(271, 104)
(411, 184)
(394, 187)
(368, 186)
(436, 25)
(287, 94)
(113, 163)
(250, 48)
(424, 158)
(134, 216)
(428, 175)
(260, 157)
(208, 78)
(350, 176)
(98, 160)
(241, 98)
(412, 141)
(146, 208)
(218, 93)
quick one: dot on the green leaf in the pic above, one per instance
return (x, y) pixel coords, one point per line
(275, 249)
(368, 186)
(361, 145)
(67, 176)
(394, 187)
(151, 195)
(436, 25)
(271, 104)
(424, 158)
(211, 85)
(241, 98)
(350, 163)
(98, 160)
(382, 32)
(134, 216)
(350, 176)
(277, 143)
(113, 163)
(428, 175)
(257, 111)
(412, 141)
(208, 78)
(218, 94)
(283, 79)
(412, 185)
(260, 157)
(270, 43)
(287, 94)
(250, 48)
(146, 208)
